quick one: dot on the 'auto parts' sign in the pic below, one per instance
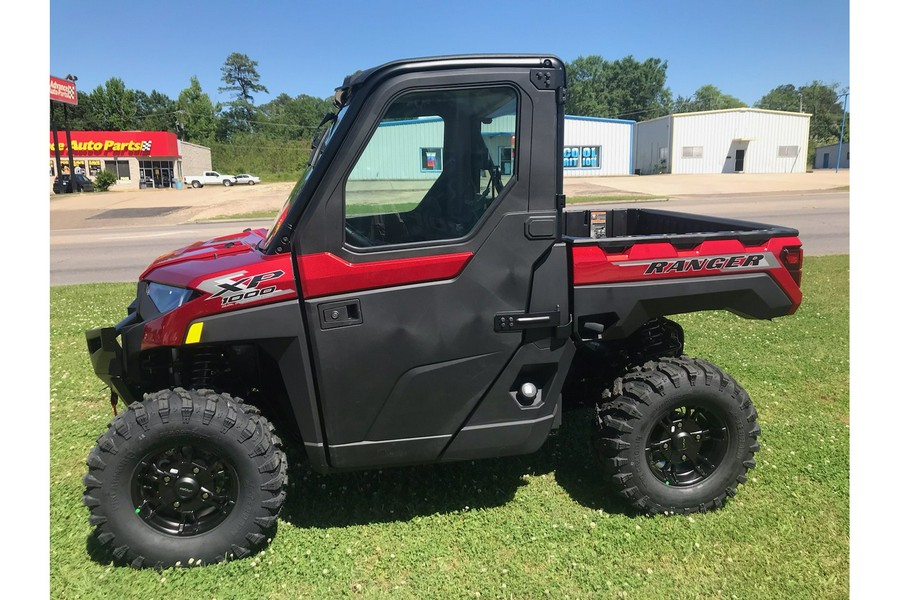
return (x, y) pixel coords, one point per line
(63, 90)
(120, 143)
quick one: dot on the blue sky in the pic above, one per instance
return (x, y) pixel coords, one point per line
(307, 47)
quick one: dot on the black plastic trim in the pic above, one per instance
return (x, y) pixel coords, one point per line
(751, 295)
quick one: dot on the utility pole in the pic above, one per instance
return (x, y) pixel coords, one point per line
(72, 182)
(841, 140)
(55, 129)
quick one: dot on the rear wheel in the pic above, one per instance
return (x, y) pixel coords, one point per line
(196, 184)
(185, 478)
(676, 436)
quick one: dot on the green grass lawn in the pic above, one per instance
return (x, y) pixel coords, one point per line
(526, 527)
(245, 216)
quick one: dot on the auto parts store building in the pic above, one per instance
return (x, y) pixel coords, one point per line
(138, 158)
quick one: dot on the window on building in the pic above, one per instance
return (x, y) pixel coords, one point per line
(590, 157)
(158, 173)
(507, 155)
(432, 159)
(120, 167)
(427, 173)
(584, 157)
(692, 152)
(570, 157)
(788, 151)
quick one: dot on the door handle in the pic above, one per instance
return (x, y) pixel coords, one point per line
(517, 321)
(340, 314)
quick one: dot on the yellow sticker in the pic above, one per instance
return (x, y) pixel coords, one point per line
(194, 332)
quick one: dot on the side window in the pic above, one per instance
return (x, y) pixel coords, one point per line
(436, 163)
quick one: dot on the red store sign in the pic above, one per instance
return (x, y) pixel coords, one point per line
(120, 143)
(63, 90)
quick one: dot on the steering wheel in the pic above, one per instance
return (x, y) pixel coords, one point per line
(355, 238)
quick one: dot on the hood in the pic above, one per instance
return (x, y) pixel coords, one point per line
(200, 259)
(226, 273)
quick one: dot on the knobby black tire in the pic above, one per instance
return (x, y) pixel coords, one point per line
(221, 421)
(626, 416)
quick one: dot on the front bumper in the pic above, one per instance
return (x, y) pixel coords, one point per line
(108, 361)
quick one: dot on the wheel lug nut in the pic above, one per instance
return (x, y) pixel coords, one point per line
(665, 446)
(167, 479)
(698, 438)
(176, 504)
(684, 457)
(205, 496)
(196, 470)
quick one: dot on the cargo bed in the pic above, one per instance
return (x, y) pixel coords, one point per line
(632, 265)
(621, 227)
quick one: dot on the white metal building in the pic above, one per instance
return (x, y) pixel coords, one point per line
(595, 146)
(417, 148)
(826, 156)
(738, 140)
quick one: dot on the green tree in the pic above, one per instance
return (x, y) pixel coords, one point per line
(823, 101)
(707, 97)
(784, 97)
(586, 87)
(625, 88)
(293, 118)
(155, 111)
(80, 116)
(637, 90)
(241, 79)
(113, 107)
(196, 113)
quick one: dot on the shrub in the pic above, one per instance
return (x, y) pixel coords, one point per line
(103, 180)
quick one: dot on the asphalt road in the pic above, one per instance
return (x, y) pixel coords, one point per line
(120, 253)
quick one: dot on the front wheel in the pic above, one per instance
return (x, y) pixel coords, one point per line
(227, 183)
(185, 478)
(676, 436)
(251, 182)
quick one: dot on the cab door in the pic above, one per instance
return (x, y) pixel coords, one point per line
(418, 256)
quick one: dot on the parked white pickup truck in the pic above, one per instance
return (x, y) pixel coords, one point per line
(209, 178)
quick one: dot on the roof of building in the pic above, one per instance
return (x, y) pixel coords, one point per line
(600, 119)
(834, 145)
(727, 110)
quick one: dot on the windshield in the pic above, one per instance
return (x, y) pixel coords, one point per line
(324, 138)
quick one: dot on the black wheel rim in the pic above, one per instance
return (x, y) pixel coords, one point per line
(184, 490)
(687, 445)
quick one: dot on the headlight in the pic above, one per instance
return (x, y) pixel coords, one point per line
(166, 297)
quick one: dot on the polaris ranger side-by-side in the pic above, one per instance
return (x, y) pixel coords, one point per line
(424, 297)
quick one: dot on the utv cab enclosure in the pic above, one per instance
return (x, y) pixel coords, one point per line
(424, 297)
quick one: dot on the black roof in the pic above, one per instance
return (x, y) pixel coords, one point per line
(357, 79)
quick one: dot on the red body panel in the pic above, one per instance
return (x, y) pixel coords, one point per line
(592, 265)
(325, 274)
(232, 274)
